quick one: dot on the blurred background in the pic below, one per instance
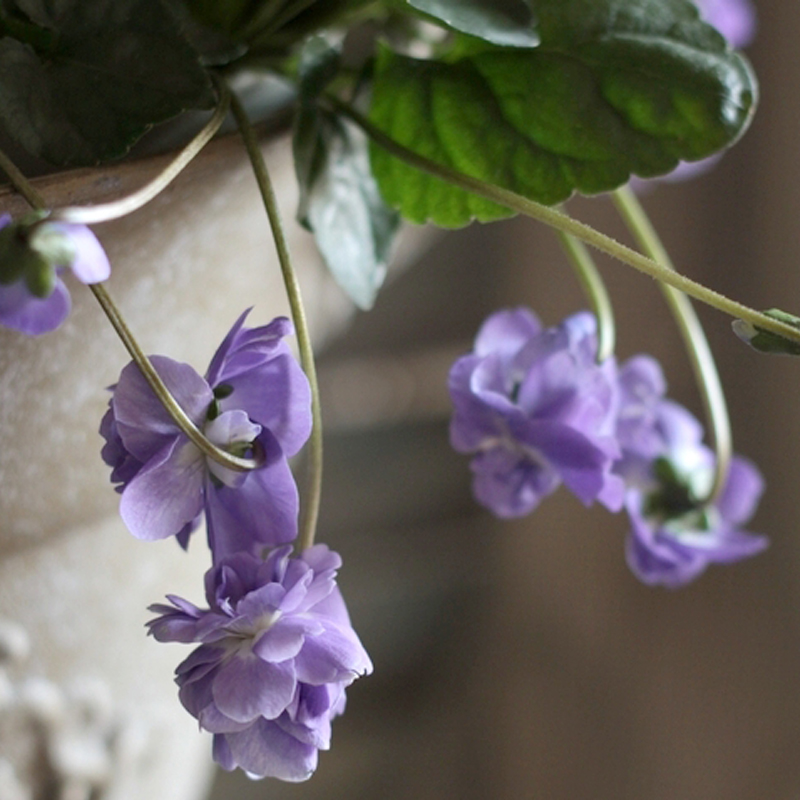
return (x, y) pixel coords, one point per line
(522, 659)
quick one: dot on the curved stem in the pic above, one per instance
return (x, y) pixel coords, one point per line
(311, 506)
(90, 215)
(694, 338)
(595, 290)
(181, 418)
(561, 222)
(174, 409)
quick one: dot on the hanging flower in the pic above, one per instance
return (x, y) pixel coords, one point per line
(33, 298)
(668, 470)
(254, 400)
(276, 655)
(535, 410)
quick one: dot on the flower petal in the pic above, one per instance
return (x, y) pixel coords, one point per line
(91, 263)
(247, 687)
(266, 751)
(166, 493)
(142, 421)
(23, 312)
(262, 510)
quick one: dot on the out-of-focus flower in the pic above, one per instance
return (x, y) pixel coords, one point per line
(734, 19)
(535, 410)
(255, 400)
(33, 298)
(674, 535)
(276, 655)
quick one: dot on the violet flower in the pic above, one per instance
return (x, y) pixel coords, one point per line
(33, 298)
(255, 399)
(535, 410)
(276, 655)
(668, 471)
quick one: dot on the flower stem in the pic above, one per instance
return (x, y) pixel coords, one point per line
(595, 290)
(21, 183)
(174, 409)
(694, 338)
(311, 506)
(90, 215)
(181, 418)
(561, 222)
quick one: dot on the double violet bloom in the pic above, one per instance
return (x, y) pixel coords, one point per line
(276, 648)
(276, 655)
(535, 410)
(33, 298)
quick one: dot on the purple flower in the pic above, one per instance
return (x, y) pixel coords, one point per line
(535, 410)
(734, 19)
(276, 655)
(255, 399)
(33, 298)
(668, 471)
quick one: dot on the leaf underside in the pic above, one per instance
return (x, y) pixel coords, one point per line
(94, 93)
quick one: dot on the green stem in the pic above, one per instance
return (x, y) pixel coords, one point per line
(181, 418)
(694, 338)
(561, 222)
(314, 493)
(90, 215)
(174, 409)
(595, 290)
(21, 183)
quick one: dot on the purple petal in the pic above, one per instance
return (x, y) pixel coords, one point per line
(505, 332)
(734, 19)
(742, 492)
(336, 655)
(262, 510)
(240, 352)
(142, 421)
(221, 753)
(266, 751)
(582, 465)
(285, 639)
(91, 262)
(166, 493)
(247, 687)
(509, 484)
(278, 396)
(23, 312)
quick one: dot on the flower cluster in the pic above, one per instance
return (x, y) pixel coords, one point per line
(276, 656)
(33, 253)
(535, 410)
(276, 648)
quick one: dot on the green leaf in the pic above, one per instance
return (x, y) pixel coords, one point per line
(508, 23)
(616, 88)
(339, 198)
(766, 341)
(340, 203)
(109, 71)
